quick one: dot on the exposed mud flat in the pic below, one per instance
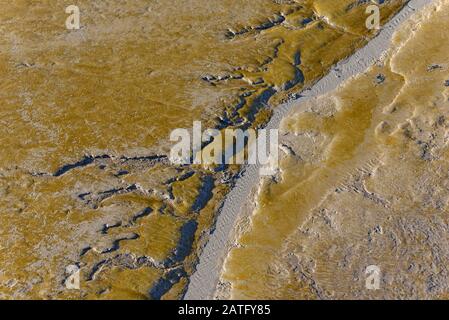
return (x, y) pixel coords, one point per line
(363, 181)
(86, 114)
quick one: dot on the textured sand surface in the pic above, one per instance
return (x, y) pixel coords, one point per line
(363, 182)
(86, 114)
(230, 224)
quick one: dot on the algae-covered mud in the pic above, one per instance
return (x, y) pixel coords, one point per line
(85, 178)
(362, 188)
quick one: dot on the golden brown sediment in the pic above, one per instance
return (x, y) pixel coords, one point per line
(363, 182)
(86, 116)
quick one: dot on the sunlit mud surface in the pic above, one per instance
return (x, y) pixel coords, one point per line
(363, 181)
(86, 114)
